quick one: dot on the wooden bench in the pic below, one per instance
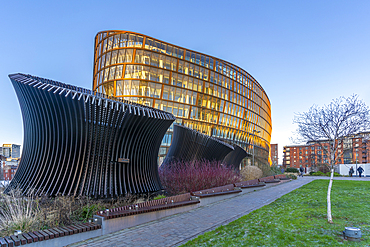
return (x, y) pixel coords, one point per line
(150, 206)
(43, 235)
(281, 177)
(269, 179)
(250, 184)
(217, 191)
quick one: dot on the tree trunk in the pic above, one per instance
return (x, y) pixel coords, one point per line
(330, 220)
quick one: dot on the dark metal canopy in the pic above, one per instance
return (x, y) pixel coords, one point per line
(74, 139)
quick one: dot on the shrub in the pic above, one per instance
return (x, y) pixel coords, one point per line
(335, 174)
(159, 197)
(18, 213)
(181, 177)
(251, 172)
(291, 176)
(318, 173)
(292, 169)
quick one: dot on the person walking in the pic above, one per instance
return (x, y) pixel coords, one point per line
(301, 170)
(351, 171)
(360, 171)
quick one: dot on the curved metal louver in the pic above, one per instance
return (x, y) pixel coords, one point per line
(188, 145)
(235, 157)
(77, 142)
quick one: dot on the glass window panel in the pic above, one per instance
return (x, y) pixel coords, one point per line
(158, 89)
(200, 86)
(105, 45)
(146, 57)
(151, 89)
(205, 74)
(131, 40)
(190, 84)
(192, 57)
(169, 50)
(179, 80)
(119, 88)
(171, 93)
(174, 51)
(123, 41)
(119, 69)
(185, 81)
(106, 75)
(116, 41)
(173, 64)
(126, 87)
(173, 78)
(154, 59)
(169, 107)
(196, 71)
(121, 56)
(186, 111)
(128, 55)
(157, 46)
(114, 57)
(181, 67)
(197, 59)
(101, 76)
(166, 77)
(203, 61)
(163, 48)
(112, 72)
(166, 90)
(195, 85)
(139, 41)
(154, 74)
(107, 59)
(147, 43)
(139, 56)
(167, 63)
(187, 55)
(135, 88)
(191, 69)
(101, 62)
(145, 73)
(161, 61)
(110, 43)
(180, 53)
(175, 109)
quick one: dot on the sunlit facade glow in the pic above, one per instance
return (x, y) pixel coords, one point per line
(205, 93)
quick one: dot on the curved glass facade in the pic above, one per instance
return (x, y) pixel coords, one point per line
(205, 93)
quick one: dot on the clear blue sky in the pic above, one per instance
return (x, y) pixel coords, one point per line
(301, 52)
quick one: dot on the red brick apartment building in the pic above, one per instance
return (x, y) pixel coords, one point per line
(9, 172)
(312, 156)
(274, 154)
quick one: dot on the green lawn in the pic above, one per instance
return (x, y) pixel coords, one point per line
(299, 219)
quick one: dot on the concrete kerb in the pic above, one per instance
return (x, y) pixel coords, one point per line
(120, 223)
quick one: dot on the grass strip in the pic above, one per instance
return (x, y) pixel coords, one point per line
(299, 219)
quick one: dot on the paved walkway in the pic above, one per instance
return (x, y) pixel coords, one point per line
(178, 229)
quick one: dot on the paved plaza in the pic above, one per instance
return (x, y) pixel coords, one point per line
(180, 228)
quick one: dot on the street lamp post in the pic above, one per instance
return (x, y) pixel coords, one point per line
(254, 131)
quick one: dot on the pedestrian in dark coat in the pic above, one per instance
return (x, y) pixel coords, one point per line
(360, 171)
(351, 171)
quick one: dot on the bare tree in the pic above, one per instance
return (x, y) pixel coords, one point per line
(329, 126)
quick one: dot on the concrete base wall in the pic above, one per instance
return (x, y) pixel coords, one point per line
(113, 225)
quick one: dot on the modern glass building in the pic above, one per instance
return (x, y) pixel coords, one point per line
(205, 93)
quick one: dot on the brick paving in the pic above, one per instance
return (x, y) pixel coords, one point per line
(180, 228)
